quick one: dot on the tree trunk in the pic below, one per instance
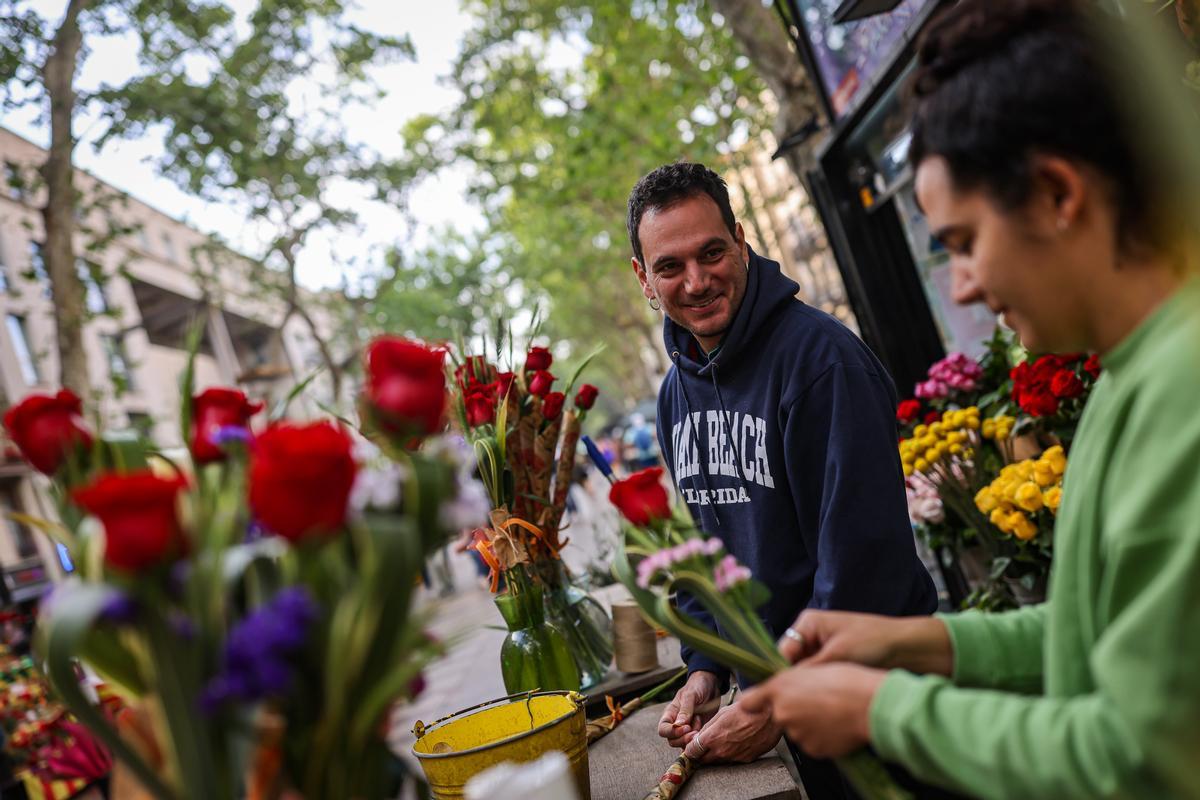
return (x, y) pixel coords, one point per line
(58, 215)
(760, 33)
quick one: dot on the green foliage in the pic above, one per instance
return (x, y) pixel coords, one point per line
(564, 106)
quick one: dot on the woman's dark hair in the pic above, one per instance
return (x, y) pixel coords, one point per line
(669, 184)
(998, 82)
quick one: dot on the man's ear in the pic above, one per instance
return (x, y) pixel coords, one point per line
(739, 236)
(641, 276)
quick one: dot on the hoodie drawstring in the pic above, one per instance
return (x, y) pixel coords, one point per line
(737, 467)
(692, 428)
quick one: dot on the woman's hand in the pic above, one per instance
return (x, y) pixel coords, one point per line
(918, 644)
(825, 709)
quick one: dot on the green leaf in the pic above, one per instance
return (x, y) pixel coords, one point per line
(281, 407)
(187, 381)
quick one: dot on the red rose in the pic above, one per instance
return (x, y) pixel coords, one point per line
(540, 383)
(641, 497)
(1092, 365)
(907, 411)
(137, 509)
(480, 404)
(504, 383)
(1038, 403)
(474, 370)
(1032, 385)
(1066, 385)
(932, 417)
(552, 404)
(46, 428)
(587, 396)
(406, 384)
(538, 359)
(212, 410)
(300, 479)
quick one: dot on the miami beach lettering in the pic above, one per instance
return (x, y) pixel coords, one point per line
(721, 457)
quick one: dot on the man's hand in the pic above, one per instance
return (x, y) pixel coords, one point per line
(681, 719)
(735, 734)
(826, 709)
(919, 644)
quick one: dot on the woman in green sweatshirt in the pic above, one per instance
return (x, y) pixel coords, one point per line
(1040, 189)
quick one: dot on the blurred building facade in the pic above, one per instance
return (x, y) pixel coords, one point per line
(782, 223)
(148, 277)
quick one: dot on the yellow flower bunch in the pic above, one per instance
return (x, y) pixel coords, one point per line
(1023, 489)
(931, 444)
(998, 428)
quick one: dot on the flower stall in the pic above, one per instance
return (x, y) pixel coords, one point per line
(983, 445)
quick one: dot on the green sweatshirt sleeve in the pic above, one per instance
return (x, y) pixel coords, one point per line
(998, 651)
(1135, 735)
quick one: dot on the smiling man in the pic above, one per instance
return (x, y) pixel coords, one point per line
(778, 426)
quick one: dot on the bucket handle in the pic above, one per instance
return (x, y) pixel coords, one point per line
(420, 728)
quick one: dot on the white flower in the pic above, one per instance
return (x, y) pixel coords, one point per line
(378, 485)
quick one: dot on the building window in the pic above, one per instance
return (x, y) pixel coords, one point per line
(20, 343)
(118, 363)
(37, 267)
(26, 545)
(92, 278)
(143, 423)
(12, 178)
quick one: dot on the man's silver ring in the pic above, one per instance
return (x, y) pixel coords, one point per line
(699, 744)
(795, 635)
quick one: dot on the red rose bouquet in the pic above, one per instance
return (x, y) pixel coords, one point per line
(254, 607)
(526, 440)
(1052, 389)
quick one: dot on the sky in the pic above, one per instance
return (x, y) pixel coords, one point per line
(412, 88)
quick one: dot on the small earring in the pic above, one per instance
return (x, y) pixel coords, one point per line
(1063, 224)
(653, 303)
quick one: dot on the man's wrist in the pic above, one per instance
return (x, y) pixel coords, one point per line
(707, 680)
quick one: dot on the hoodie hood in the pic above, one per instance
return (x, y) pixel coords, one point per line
(767, 289)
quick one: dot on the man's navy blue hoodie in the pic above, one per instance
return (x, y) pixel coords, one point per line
(783, 445)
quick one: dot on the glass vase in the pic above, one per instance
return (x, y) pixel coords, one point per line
(586, 625)
(535, 653)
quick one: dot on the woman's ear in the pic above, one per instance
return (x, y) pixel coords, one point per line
(1060, 193)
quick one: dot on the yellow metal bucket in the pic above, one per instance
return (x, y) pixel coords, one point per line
(520, 727)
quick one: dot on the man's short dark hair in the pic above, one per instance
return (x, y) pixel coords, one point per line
(669, 184)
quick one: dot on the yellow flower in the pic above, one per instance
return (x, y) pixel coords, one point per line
(955, 449)
(989, 428)
(1052, 497)
(1056, 458)
(973, 423)
(1044, 474)
(908, 469)
(999, 518)
(985, 500)
(932, 454)
(936, 429)
(920, 431)
(921, 465)
(1029, 497)
(1024, 529)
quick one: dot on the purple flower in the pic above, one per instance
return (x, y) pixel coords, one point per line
(260, 651)
(119, 609)
(227, 434)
